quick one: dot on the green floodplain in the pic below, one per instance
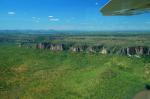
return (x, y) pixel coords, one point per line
(30, 73)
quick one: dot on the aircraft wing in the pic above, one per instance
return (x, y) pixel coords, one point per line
(125, 7)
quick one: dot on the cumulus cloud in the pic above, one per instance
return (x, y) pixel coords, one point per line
(50, 16)
(96, 3)
(11, 13)
(35, 19)
(54, 19)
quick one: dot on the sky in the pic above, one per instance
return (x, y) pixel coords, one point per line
(65, 15)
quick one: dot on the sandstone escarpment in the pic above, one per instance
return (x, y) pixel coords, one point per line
(130, 51)
(138, 50)
(53, 47)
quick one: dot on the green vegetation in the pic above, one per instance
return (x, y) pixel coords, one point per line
(30, 73)
(41, 74)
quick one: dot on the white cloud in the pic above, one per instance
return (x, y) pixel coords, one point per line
(11, 13)
(50, 16)
(96, 3)
(54, 19)
(35, 19)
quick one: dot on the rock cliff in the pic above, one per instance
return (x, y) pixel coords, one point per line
(130, 51)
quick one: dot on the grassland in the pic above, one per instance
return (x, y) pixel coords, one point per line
(41, 74)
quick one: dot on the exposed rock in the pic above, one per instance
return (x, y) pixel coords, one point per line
(42, 45)
(95, 48)
(20, 45)
(55, 47)
(104, 51)
(139, 50)
(136, 51)
(113, 50)
(75, 49)
(90, 50)
(78, 48)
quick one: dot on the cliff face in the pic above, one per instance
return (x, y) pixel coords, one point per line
(53, 47)
(56, 47)
(137, 50)
(78, 48)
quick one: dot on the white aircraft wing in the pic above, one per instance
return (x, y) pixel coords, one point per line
(125, 7)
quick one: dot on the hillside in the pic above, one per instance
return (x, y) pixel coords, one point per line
(40, 74)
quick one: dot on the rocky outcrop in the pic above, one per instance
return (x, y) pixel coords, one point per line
(95, 49)
(41, 46)
(138, 50)
(53, 47)
(104, 51)
(78, 48)
(130, 51)
(59, 47)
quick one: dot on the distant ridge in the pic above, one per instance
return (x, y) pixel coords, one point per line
(75, 32)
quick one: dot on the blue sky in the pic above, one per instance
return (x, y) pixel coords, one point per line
(65, 15)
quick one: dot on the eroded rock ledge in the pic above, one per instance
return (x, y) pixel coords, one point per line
(130, 51)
